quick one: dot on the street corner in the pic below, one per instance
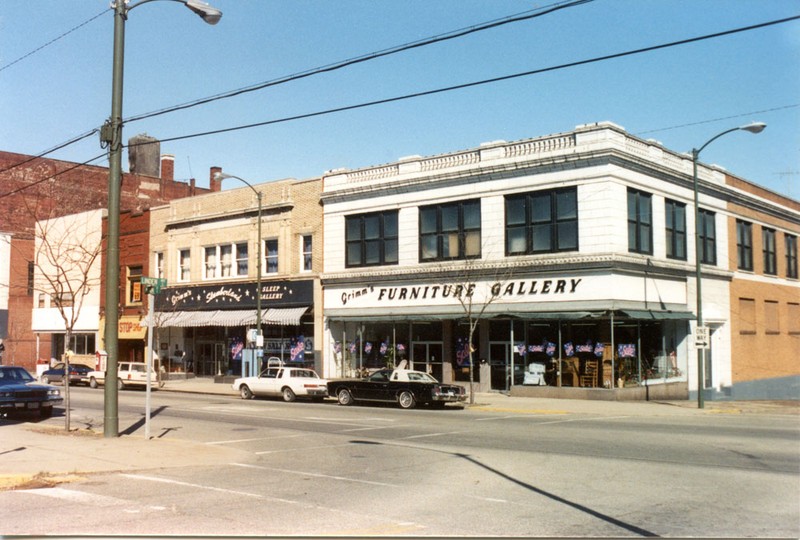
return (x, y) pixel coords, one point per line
(11, 482)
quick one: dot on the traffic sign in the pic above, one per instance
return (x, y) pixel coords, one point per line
(701, 337)
(153, 285)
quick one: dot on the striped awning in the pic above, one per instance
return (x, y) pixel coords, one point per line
(246, 317)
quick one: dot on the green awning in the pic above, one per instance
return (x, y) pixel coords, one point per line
(647, 314)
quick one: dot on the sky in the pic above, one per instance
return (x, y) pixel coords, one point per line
(56, 59)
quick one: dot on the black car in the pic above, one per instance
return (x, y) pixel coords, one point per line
(20, 392)
(405, 387)
(78, 374)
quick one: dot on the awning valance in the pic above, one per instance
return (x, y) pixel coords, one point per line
(246, 317)
(659, 315)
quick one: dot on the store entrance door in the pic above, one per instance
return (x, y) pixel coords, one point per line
(500, 362)
(427, 356)
(210, 359)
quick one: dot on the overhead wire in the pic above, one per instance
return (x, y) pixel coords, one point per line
(34, 51)
(454, 34)
(483, 81)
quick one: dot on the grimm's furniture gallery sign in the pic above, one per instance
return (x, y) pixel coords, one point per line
(236, 296)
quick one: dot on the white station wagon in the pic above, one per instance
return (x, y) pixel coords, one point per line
(287, 382)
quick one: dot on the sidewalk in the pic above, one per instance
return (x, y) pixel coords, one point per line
(42, 454)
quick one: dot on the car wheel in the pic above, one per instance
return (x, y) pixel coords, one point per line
(344, 396)
(245, 392)
(46, 412)
(120, 386)
(406, 400)
(45, 379)
(93, 382)
(288, 395)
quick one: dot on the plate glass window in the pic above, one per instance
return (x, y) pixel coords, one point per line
(542, 222)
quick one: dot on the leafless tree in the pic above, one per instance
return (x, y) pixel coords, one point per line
(66, 262)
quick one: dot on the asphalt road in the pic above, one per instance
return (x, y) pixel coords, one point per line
(322, 469)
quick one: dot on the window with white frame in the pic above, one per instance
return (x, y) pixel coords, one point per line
(306, 253)
(225, 261)
(271, 252)
(184, 264)
(159, 264)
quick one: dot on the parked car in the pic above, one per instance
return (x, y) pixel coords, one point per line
(405, 387)
(287, 382)
(20, 392)
(78, 374)
(128, 374)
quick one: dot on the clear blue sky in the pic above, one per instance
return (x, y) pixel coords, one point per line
(172, 57)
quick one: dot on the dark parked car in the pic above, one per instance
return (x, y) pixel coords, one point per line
(405, 387)
(20, 392)
(78, 374)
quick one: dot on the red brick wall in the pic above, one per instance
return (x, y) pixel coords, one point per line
(41, 188)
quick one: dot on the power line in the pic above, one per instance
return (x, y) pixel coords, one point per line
(484, 81)
(712, 120)
(522, 16)
(454, 34)
(34, 51)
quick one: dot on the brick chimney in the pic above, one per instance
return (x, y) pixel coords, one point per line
(214, 184)
(168, 167)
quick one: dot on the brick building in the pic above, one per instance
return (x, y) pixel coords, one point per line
(33, 189)
(206, 248)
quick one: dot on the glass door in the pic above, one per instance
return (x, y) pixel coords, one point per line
(427, 356)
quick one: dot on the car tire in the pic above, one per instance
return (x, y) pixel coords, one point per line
(245, 392)
(46, 412)
(93, 383)
(45, 379)
(406, 400)
(120, 384)
(344, 397)
(288, 394)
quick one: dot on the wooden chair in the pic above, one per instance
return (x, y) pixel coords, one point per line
(589, 377)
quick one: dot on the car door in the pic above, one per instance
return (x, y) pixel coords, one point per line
(267, 383)
(378, 387)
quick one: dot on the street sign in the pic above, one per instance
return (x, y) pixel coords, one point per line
(153, 285)
(701, 337)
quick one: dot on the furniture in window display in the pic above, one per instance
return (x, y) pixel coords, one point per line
(589, 376)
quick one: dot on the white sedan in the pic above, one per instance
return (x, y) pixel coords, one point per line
(287, 382)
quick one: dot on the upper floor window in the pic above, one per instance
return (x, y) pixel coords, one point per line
(306, 247)
(371, 239)
(542, 222)
(134, 284)
(450, 231)
(744, 245)
(675, 225)
(707, 229)
(271, 252)
(225, 260)
(184, 265)
(31, 273)
(159, 264)
(770, 254)
(791, 255)
(640, 222)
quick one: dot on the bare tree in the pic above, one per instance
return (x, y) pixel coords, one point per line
(67, 269)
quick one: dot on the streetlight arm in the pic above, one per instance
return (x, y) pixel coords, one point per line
(209, 14)
(755, 127)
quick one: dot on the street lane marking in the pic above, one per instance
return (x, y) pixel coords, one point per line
(296, 449)
(255, 439)
(316, 475)
(596, 418)
(424, 435)
(78, 497)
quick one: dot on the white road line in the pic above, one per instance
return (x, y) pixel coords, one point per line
(207, 488)
(78, 497)
(317, 475)
(296, 449)
(594, 419)
(236, 441)
(424, 435)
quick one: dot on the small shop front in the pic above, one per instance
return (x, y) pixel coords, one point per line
(557, 331)
(203, 330)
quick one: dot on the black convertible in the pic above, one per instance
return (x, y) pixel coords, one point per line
(405, 387)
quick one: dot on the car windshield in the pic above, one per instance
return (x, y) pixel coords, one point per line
(14, 375)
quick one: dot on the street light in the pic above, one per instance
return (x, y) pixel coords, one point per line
(222, 176)
(755, 127)
(111, 136)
